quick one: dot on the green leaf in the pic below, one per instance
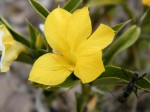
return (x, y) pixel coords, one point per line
(118, 27)
(70, 82)
(145, 27)
(41, 52)
(113, 74)
(33, 35)
(15, 35)
(71, 5)
(108, 81)
(144, 17)
(127, 39)
(104, 2)
(42, 11)
(24, 58)
(37, 85)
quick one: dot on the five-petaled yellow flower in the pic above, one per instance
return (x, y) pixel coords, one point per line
(9, 48)
(75, 48)
(146, 2)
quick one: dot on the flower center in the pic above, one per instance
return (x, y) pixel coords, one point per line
(71, 56)
(73, 59)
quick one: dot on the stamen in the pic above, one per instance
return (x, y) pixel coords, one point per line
(71, 69)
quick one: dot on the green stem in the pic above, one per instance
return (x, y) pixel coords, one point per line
(86, 90)
(128, 11)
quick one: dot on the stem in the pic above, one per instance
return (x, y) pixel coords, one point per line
(82, 98)
(86, 90)
(128, 11)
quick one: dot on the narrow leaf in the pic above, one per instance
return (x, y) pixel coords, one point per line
(113, 74)
(70, 82)
(41, 52)
(143, 17)
(24, 58)
(33, 35)
(42, 11)
(118, 27)
(103, 2)
(127, 39)
(15, 34)
(71, 5)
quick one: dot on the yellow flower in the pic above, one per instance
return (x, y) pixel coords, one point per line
(10, 49)
(146, 2)
(75, 49)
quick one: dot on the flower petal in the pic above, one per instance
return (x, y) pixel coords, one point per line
(146, 2)
(88, 68)
(50, 69)
(100, 39)
(11, 53)
(5, 36)
(78, 28)
(55, 29)
(10, 49)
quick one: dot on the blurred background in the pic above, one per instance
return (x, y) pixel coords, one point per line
(17, 95)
